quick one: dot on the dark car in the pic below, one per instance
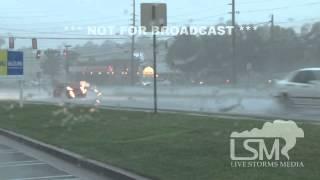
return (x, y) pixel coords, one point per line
(71, 90)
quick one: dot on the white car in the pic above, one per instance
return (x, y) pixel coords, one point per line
(299, 88)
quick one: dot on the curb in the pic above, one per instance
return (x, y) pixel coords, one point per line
(95, 166)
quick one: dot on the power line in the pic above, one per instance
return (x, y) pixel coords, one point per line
(254, 2)
(301, 20)
(200, 18)
(24, 31)
(50, 25)
(193, 12)
(68, 38)
(281, 8)
(105, 53)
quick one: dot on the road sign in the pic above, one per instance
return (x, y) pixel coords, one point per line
(11, 64)
(3, 62)
(15, 63)
(153, 15)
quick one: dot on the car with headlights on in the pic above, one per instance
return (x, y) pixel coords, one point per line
(71, 90)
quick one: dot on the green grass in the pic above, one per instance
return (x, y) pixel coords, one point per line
(163, 146)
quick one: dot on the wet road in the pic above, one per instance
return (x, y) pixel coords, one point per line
(204, 99)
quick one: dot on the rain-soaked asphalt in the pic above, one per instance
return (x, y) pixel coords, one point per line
(197, 99)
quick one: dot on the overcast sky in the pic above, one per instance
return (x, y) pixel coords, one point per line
(50, 17)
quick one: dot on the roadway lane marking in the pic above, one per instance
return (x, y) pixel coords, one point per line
(4, 147)
(24, 164)
(18, 162)
(10, 152)
(45, 177)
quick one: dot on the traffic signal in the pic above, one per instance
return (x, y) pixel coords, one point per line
(38, 55)
(11, 42)
(34, 43)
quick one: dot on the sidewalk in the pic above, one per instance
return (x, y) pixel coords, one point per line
(18, 161)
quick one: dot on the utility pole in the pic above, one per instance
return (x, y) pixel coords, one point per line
(272, 48)
(272, 27)
(67, 63)
(132, 75)
(155, 72)
(234, 61)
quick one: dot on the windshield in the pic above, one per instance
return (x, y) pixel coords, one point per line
(168, 90)
(317, 75)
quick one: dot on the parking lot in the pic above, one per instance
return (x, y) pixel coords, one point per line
(21, 162)
(19, 166)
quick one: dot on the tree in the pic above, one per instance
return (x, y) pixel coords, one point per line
(2, 42)
(73, 57)
(52, 64)
(269, 52)
(184, 52)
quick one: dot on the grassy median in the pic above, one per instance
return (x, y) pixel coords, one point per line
(163, 146)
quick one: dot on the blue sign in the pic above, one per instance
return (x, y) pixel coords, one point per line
(15, 63)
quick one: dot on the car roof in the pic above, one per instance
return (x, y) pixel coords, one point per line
(309, 69)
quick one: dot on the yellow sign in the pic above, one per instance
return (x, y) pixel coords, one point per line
(148, 72)
(3, 62)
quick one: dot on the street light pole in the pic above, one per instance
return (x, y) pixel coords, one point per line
(132, 74)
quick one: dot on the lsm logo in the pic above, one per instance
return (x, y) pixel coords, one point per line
(263, 148)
